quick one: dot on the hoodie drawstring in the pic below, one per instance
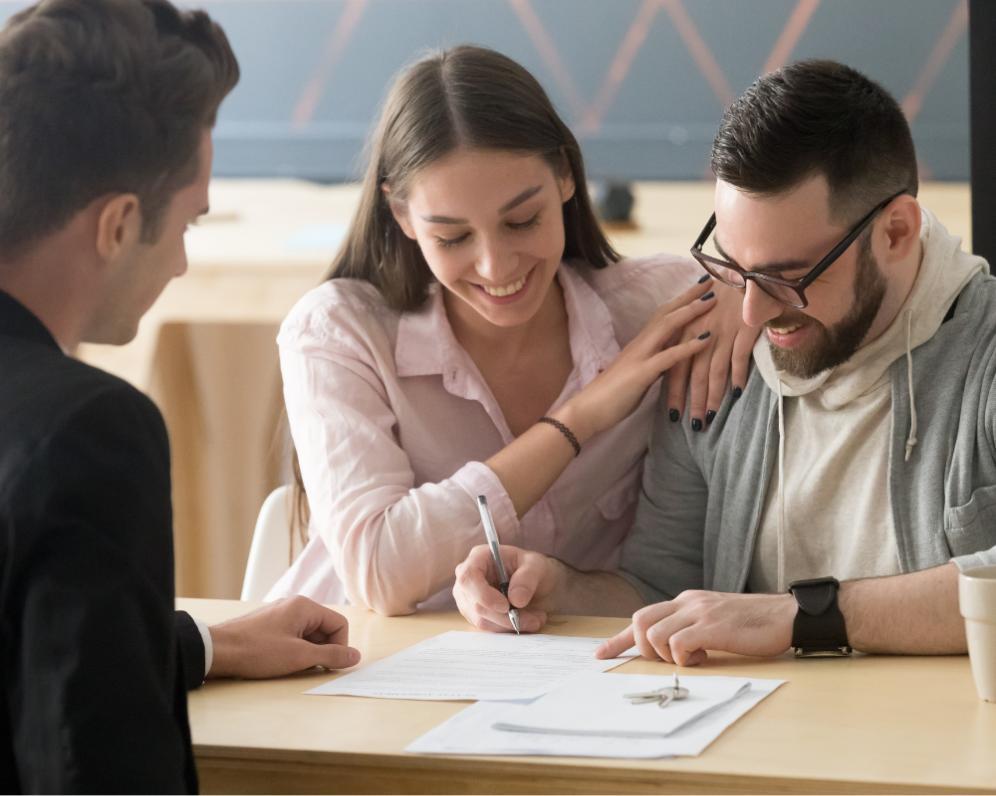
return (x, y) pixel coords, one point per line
(911, 440)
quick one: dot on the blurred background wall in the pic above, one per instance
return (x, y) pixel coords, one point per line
(642, 82)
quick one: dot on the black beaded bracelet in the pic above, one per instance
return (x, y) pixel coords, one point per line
(565, 431)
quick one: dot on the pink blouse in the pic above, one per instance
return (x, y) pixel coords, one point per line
(392, 422)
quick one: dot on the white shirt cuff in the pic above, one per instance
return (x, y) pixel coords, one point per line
(208, 645)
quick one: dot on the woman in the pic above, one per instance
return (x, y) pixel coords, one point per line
(478, 335)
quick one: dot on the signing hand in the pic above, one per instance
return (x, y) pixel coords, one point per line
(681, 630)
(532, 580)
(283, 637)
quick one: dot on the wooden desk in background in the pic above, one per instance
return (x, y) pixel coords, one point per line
(872, 724)
(206, 353)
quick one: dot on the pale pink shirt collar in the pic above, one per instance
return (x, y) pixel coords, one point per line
(426, 345)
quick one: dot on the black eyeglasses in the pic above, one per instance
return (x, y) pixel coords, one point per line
(787, 291)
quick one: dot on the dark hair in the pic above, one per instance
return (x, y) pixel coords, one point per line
(463, 97)
(103, 97)
(817, 117)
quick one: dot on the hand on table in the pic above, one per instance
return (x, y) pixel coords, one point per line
(280, 638)
(532, 580)
(681, 630)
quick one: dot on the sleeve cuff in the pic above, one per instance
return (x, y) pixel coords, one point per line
(205, 632)
(476, 478)
(648, 593)
(984, 558)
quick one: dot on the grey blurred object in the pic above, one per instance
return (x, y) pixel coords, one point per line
(613, 201)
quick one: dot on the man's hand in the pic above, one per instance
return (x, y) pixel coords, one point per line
(283, 637)
(681, 630)
(532, 581)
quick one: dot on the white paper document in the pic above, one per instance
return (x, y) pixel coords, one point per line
(596, 704)
(466, 665)
(472, 732)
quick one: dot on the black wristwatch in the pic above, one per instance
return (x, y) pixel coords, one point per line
(818, 630)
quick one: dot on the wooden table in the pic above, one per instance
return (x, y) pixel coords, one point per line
(859, 725)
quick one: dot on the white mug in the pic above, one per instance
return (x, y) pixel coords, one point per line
(977, 600)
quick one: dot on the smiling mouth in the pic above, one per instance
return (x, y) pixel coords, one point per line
(785, 329)
(502, 291)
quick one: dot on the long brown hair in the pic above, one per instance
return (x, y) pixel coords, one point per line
(465, 97)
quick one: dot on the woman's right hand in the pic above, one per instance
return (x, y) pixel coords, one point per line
(617, 391)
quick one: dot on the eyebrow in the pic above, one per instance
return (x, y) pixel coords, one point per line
(527, 194)
(768, 268)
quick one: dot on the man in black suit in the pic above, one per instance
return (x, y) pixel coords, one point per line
(106, 110)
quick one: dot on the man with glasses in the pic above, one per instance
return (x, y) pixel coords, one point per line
(834, 498)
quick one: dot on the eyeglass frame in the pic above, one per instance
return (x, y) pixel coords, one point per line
(797, 285)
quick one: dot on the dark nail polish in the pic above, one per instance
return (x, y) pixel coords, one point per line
(707, 296)
(737, 392)
(675, 415)
(696, 425)
(705, 279)
(710, 416)
(704, 335)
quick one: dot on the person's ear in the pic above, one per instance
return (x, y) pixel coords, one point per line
(119, 226)
(565, 180)
(399, 210)
(901, 225)
(565, 177)
(566, 186)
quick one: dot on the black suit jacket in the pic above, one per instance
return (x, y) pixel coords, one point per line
(94, 662)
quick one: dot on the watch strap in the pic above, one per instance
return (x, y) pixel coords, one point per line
(819, 627)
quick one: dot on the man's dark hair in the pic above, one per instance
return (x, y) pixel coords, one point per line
(100, 97)
(817, 117)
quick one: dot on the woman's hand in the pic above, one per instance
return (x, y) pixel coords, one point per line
(721, 365)
(616, 393)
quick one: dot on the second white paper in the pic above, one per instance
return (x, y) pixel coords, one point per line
(474, 666)
(472, 732)
(597, 704)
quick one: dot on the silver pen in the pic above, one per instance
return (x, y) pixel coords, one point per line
(492, 537)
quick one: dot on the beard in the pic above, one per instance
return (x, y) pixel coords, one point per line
(834, 345)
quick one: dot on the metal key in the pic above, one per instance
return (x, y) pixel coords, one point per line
(662, 696)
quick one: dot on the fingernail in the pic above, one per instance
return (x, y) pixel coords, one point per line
(707, 296)
(705, 335)
(696, 425)
(737, 392)
(675, 415)
(710, 416)
(704, 278)
(353, 657)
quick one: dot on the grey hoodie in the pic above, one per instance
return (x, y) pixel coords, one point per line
(704, 493)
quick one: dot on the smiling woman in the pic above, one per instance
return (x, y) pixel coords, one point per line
(474, 296)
